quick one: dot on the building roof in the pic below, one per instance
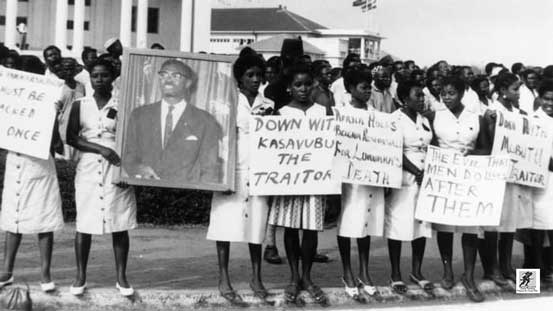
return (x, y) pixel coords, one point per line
(261, 20)
(349, 33)
(274, 44)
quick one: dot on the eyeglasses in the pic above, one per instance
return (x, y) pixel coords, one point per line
(173, 75)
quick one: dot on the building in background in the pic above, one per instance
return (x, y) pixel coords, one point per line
(233, 28)
(73, 24)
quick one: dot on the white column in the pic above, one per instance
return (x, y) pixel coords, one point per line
(186, 25)
(10, 34)
(125, 26)
(78, 27)
(61, 24)
(201, 30)
(362, 49)
(378, 49)
(142, 24)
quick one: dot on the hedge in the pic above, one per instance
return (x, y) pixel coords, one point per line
(155, 205)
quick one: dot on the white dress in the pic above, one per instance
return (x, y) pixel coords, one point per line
(31, 201)
(362, 212)
(240, 217)
(459, 134)
(518, 206)
(102, 207)
(400, 223)
(543, 198)
(299, 211)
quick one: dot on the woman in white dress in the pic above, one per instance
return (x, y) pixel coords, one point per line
(300, 212)
(400, 223)
(238, 216)
(481, 85)
(543, 198)
(458, 129)
(362, 214)
(31, 201)
(102, 207)
(517, 207)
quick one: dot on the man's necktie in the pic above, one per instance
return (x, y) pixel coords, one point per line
(168, 125)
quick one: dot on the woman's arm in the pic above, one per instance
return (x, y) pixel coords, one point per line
(56, 145)
(483, 142)
(431, 115)
(81, 144)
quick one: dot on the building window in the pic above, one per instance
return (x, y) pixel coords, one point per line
(18, 20)
(70, 25)
(72, 2)
(153, 20)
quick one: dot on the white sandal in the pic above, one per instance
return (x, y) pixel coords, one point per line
(48, 287)
(369, 289)
(352, 292)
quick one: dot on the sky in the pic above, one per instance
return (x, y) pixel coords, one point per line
(471, 32)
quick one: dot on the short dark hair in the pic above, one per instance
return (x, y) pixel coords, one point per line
(516, 67)
(475, 84)
(409, 62)
(527, 72)
(48, 48)
(404, 88)
(548, 72)
(416, 72)
(318, 66)
(30, 63)
(504, 80)
(106, 63)
(489, 67)
(545, 86)
(87, 51)
(298, 68)
(355, 75)
(247, 51)
(457, 83)
(245, 62)
(351, 57)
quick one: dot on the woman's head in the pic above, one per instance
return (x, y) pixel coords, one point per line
(545, 91)
(10, 61)
(30, 63)
(300, 82)
(530, 78)
(481, 85)
(102, 74)
(274, 66)
(248, 71)
(507, 87)
(321, 72)
(452, 92)
(411, 95)
(434, 85)
(357, 81)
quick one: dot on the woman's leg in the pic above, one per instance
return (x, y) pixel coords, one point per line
(505, 254)
(487, 247)
(255, 257)
(363, 247)
(271, 251)
(121, 252)
(394, 252)
(10, 250)
(418, 246)
(223, 253)
(45, 245)
(308, 251)
(82, 250)
(292, 246)
(445, 245)
(344, 246)
(470, 246)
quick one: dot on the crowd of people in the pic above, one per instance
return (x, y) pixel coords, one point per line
(446, 106)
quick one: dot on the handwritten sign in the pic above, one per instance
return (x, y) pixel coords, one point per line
(292, 156)
(528, 142)
(462, 191)
(27, 111)
(369, 148)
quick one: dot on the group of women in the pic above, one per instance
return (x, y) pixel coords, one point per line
(368, 211)
(31, 201)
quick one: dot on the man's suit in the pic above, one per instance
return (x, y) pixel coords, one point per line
(191, 154)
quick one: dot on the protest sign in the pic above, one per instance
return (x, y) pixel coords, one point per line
(528, 142)
(27, 111)
(369, 148)
(462, 190)
(292, 156)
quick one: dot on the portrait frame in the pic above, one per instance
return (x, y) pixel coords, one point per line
(214, 95)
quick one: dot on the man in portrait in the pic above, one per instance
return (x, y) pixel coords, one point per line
(172, 140)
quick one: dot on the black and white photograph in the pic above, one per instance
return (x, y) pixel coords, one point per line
(276, 155)
(176, 116)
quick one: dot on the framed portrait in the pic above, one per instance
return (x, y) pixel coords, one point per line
(177, 120)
